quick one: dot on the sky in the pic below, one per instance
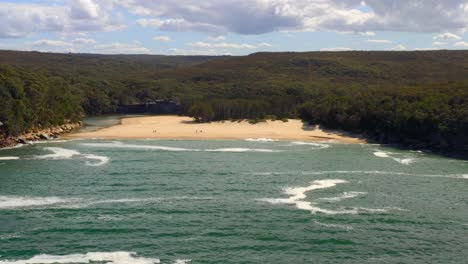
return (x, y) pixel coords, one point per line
(231, 27)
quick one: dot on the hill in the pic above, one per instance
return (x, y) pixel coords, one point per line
(415, 98)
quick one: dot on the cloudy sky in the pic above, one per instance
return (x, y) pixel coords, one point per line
(237, 27)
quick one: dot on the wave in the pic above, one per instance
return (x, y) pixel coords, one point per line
(64, 154)
(317, 145)
(404, 161)
(9, 158)
(22, 202)
(297, 195)
(450, 176)
(47, 142)
(14, 147)
(335, 226)
(344, 196)
(263, 140)
(131, 146)
(182, 261)
(91, 257)
(59, 153)
(381, 154)
(101, 160)
(163, 148)
(242, 150)
(15, 202)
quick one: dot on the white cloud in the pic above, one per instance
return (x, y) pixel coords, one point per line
(217, 38)
(367, 34)
(439, 43)
(461, 44)
(263, 16)
(21, 19)
(265, 44)
(83, 41)
(379, 41)
(162, 38)
(50, 43)
(121, 48)
(399, 47)
(447, 36)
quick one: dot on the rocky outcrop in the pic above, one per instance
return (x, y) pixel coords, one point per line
(39, 134)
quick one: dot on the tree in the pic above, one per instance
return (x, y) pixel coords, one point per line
(202, 112)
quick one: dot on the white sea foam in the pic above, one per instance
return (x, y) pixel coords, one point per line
(335, 226)
(14, 147)
(120, 145)
(262, 140)
(21, 202)
(316, 145)
(403, 161)
(59, 153)
(64, 154)
(101, 160)
(381, 154)
(182, 261)
(297, 196)
(344, 196)
(242, 150)
(91, 257)
(15, 202)
(450, 176)
(47, 142)
(9, 158)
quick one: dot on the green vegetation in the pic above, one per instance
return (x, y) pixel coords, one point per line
(414, 98)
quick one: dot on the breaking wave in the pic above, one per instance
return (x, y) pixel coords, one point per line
(316, 145)
(63, 154)
(449, 176)
(344, 196)
(91, 257)
(404, 161)
(297, 195)
(14, 202)
(9, 158)
(24, 202)
(121, 145)
(262, 140)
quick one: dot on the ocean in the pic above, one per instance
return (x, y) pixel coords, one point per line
(244, 201)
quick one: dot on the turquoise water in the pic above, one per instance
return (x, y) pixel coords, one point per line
(149, 201)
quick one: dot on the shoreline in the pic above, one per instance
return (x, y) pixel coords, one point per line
(39, 135)
(184, 128)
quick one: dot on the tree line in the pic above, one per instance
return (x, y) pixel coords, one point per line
(413, 98)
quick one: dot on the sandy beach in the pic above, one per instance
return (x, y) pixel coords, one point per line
(176, 127)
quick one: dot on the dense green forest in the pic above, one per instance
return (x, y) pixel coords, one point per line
(418, 98)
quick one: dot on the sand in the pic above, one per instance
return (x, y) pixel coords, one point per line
(176, 127)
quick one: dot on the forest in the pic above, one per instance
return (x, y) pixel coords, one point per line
(417, 99)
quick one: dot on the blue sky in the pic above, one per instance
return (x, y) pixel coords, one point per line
(237, 27)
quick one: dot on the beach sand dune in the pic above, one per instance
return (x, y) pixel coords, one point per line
(177, 127)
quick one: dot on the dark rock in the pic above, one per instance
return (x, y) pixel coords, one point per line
(21, 140)
(44, 136)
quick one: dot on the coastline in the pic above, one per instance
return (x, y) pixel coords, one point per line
(184, 128)
(38, 135)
